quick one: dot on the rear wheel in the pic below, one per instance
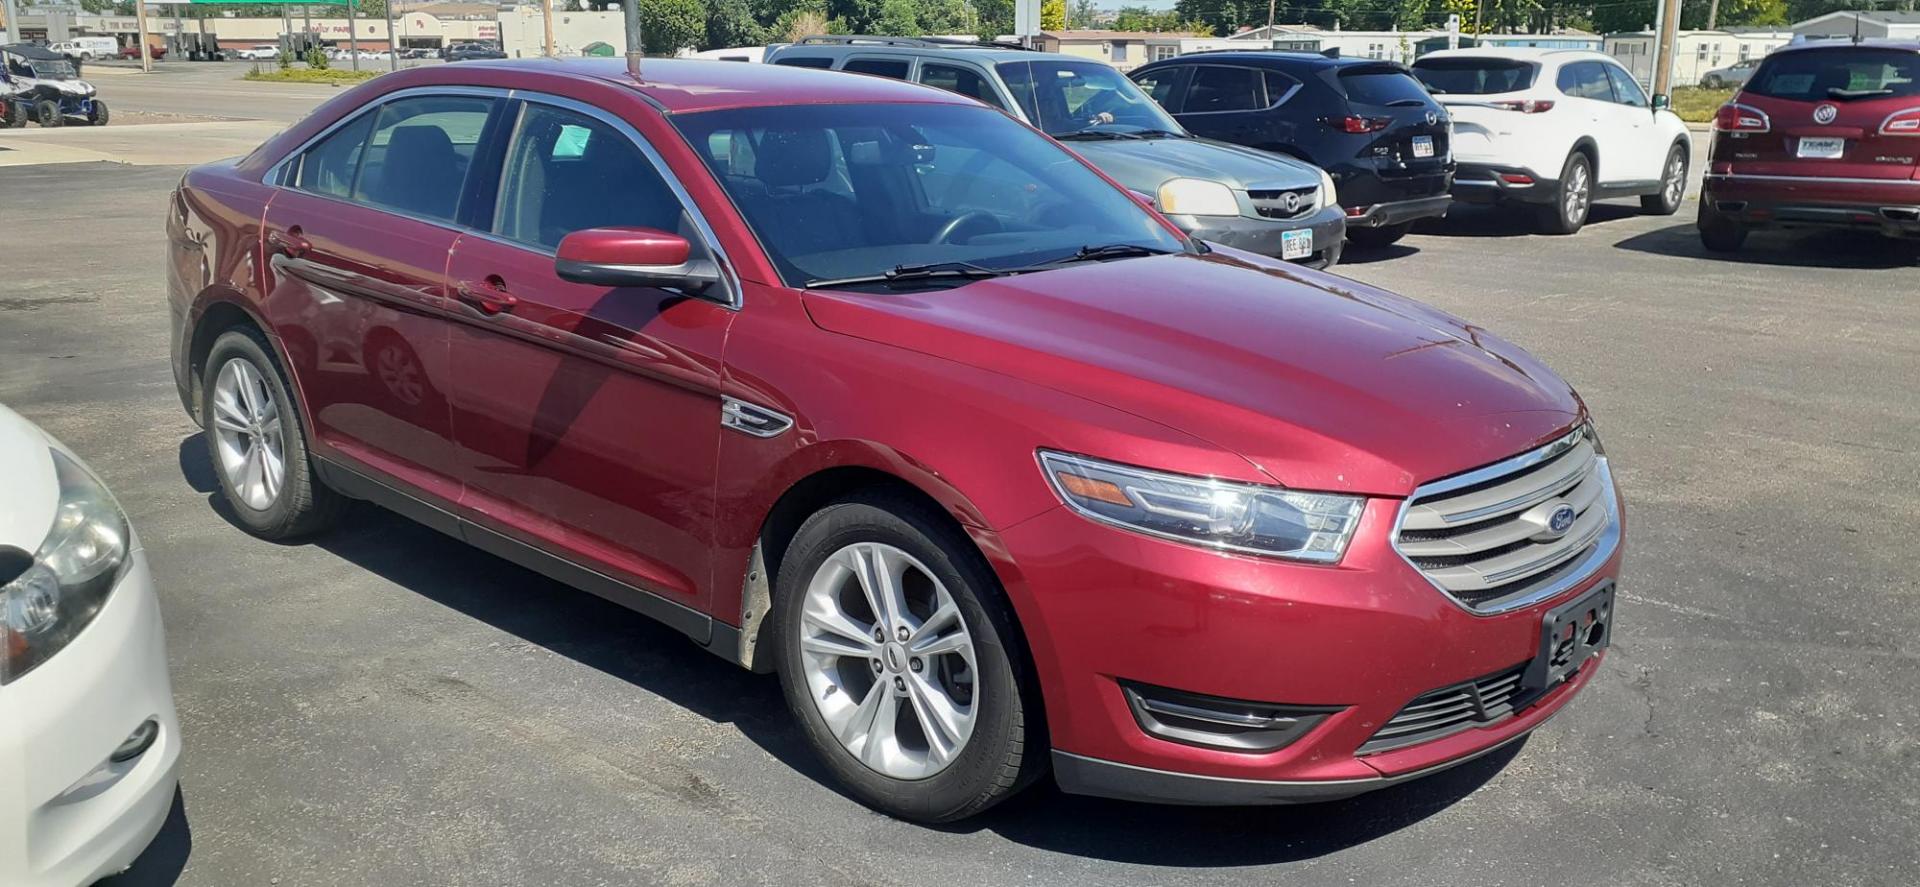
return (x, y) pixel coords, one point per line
(1568, 211)
(258, 445)
(47, 113)
(900, 658)
(1673, 185)
(15, 113)
(1375, 238)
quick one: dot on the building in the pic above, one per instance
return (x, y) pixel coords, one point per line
(1694, 52)
(1866, 24)
(1125, 50)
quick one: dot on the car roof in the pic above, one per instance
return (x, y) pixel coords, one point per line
(689, 85)
(1271, 57)
(834, 46)
(1848, 43)
(1520, 54)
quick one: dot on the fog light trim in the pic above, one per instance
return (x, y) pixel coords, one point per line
(1216, 722)
(137, 742)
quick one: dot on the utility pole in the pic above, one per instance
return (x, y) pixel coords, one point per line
(140, 21)
(13, 21)
(393, 42)
(1713, 15)
(1270, 19)
(546, 20)
(353, 36)
(1479, 14)
(636, 47)
(1669, 28)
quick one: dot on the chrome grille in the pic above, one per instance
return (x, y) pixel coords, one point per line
(1272, 204)
(1488, 537)
(1450, 710)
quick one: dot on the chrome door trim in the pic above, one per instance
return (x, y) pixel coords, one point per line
(1817, 180)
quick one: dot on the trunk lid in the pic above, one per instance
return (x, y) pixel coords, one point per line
(1416, 141)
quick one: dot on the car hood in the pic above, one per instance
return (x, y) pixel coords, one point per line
(1145, 164)
(1320, 382)
(27, 483)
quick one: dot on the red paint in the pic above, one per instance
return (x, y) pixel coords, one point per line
(585, 420)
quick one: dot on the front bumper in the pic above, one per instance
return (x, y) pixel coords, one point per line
(1889, 206)
(1493, 183)
(1363, 638)
(68, 815)
(1262, 236)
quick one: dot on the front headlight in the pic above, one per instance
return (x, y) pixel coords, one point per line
(1197, 197)
(68, 579)
(1249, 518)
(1329, 195)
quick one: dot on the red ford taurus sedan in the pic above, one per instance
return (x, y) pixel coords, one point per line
(865, 384)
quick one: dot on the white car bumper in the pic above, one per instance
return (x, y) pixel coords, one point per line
(69, 816)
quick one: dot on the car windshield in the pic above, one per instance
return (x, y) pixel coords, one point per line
(1823, 75)
(1471, 76)
(840, 192)
(1067, 99)
(40, 69)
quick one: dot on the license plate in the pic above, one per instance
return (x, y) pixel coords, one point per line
(1423, 146)
(1570, 634)
(1296, 244)
(1822, 149)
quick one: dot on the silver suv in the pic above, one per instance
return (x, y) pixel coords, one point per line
(1226, 194)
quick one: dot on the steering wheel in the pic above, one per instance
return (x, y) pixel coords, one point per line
(970, 217)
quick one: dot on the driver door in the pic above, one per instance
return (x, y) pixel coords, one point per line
(586, 418)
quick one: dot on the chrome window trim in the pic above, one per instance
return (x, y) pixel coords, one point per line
(1604, 547)
(729, 278)
(1835, 180)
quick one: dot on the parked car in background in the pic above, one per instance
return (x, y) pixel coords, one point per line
(1822, 135)
(260, 52)
(89, 742)
(880, 389)
(1223, 193)
(1367, 123)
(1556, 129)
(88, 48)
(1731, 75)
(132, 51)
(463, 52)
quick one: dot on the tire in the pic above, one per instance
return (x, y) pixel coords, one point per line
(299, 504)
(1376, 238)
(1721, 235)
(16, 114)
(1712, 83)
(1673, 185)
(1572, 202)
(48, 114)
(100, 114)
(1004, 748)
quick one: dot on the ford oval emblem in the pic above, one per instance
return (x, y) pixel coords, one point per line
(1561, 520)
(1825, 114)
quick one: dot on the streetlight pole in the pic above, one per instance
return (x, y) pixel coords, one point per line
(393, 42)
(353, 35)
(636, 46)
(546, 21)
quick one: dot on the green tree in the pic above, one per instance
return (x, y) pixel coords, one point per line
(668, 26)
(1053, 15)
(949, 17)
(731, 23)
(1081, 14)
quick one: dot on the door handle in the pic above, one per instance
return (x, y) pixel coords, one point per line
(490, 295)
(290, 243)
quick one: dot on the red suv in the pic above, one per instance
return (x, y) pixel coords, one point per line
(870, 385)
(1822, 135)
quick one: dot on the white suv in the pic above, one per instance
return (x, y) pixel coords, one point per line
(1557, 129)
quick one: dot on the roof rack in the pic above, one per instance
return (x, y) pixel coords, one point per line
(916, 42)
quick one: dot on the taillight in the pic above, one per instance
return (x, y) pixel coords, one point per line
(1529, 106)
(1735, 117)
(1902, 123)
(1359, 125)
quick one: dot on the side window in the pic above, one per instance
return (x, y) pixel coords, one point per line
(1280, 87)
(566, 172)
(1220, 88)
(805, 62)
(964, 81)
(1625, 89)
(895, 68)
(1586, 80)
(329, 167)
(416, 161)
(1159, 85)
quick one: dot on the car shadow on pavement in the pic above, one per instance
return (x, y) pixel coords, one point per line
(1806, 248)
(1361, 255)
(162, 862)
(635, 649)
(1473, 220)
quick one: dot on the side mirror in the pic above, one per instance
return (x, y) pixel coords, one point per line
(633, 257)
(1662, 102)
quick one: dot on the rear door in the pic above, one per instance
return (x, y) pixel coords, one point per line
(1842, 112)
(1413, 151)
(356, 241)
(1235, 103)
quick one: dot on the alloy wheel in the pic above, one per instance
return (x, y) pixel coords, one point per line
(1579, 194)
(888, 660)
(1676, 177)
(249, 435)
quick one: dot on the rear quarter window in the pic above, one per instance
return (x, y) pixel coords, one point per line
(1475, 76)
(1382, 86)
(1822, 75)
(805, 62)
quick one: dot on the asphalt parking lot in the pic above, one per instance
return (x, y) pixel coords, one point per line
(387, 706)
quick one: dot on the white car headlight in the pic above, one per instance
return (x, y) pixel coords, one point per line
(1329, 195)
(67, 581)
(1197, 197)
(1250, 518)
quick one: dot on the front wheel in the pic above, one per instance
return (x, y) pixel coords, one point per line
(1375, 238)
(1568, 211)
(258, 445)
(48, 114)
(900, 658)
(99, 115)
(1673, 185)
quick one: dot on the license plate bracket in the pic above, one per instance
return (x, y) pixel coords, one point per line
(1828, 148)
(1423, 146)
(1570, 634)
(1296, 244)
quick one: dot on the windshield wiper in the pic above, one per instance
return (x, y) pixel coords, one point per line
(910, 274)
(1160, 134)
(1107, 251)
(1095, 134)
(1838, 93)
